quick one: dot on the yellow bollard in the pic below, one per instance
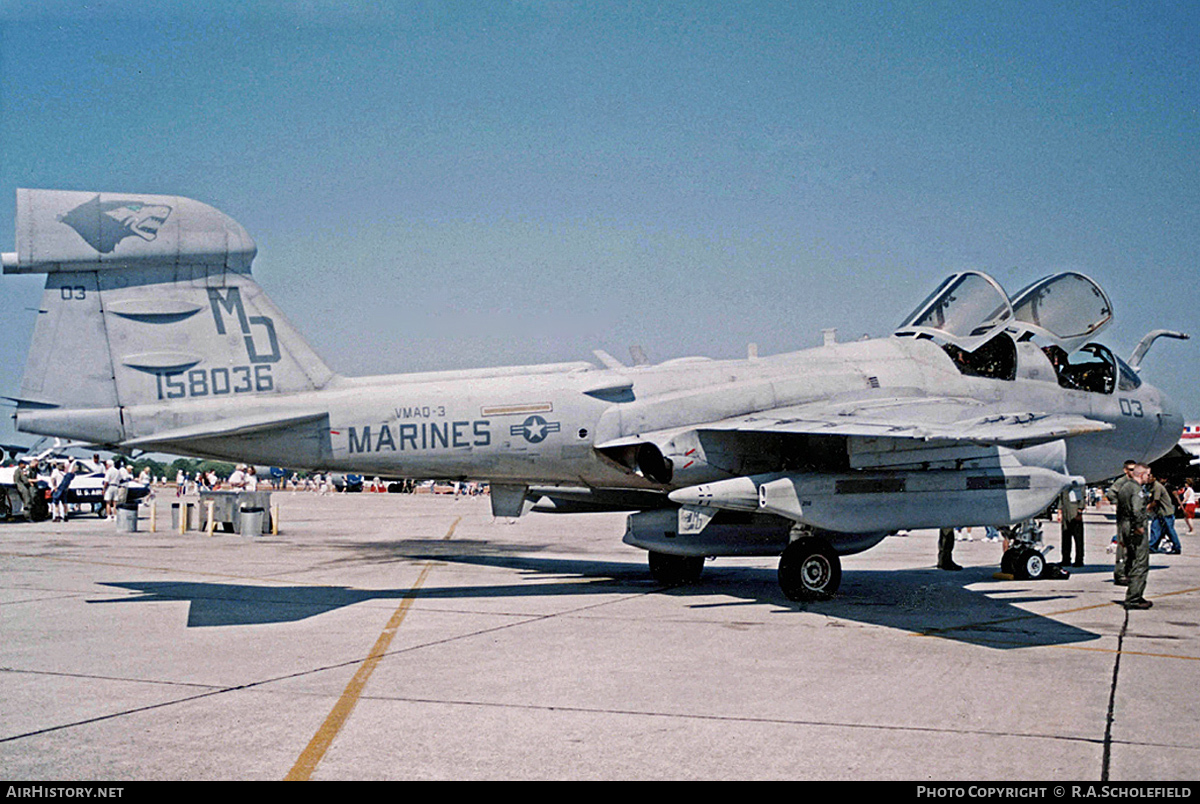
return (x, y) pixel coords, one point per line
(183, 517)
(275, 519)
(211, 523)
(154, 517)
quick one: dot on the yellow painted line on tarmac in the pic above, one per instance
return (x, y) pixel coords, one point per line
(1133, 653)
(329, 730)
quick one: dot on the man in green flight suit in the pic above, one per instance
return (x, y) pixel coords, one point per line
(1131, 506)
(1124, 557)
(25, 477)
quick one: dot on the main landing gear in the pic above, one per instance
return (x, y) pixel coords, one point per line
(809, 569)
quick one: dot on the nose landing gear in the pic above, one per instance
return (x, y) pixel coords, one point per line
(1024, 560)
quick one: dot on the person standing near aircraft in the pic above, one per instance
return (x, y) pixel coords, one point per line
(946, 550)
(1131, 507)
(58, 496)
(1121, 568)
(56, 476)
(1161, 511)
(25, 477)
(1070, 507)
(112, 484)
(1187, 500)
(125, 481)
(237, 478)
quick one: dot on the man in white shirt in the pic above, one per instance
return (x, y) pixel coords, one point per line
(237, 480)
(1188, 498)
(112, 484)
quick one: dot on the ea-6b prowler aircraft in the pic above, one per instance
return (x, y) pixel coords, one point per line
(978, 410)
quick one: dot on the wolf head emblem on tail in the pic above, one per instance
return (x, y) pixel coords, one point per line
(105, 224)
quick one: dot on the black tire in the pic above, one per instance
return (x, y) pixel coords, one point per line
(671, 570)
(1029, 565)
(1008, 563)
(39, 509)
(809, 569)
(1016, 562)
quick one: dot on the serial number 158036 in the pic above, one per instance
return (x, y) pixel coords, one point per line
(216, 382)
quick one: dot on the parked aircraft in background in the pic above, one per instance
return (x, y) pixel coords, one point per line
(1190, 441)
(86, 488)
(979, 409)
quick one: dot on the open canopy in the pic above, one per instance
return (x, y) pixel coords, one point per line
(966, 310)
(970, 307)
(1068, 309)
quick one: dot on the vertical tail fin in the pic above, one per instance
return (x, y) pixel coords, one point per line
(148, 302)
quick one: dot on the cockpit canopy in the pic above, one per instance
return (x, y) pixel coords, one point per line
(978, 326)
(1067, 309)
(967, 309)
(970, 307)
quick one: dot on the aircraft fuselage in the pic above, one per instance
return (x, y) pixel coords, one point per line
(539, 425)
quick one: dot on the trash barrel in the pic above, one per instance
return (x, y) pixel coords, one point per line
(250, 520)
(127, 516)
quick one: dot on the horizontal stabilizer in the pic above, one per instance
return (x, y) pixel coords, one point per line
(228, 428)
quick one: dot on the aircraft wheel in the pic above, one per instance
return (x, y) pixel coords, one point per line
(672, 570)
(1029, 565)
(809, 569)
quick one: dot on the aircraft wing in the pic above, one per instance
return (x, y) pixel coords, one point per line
(922, 419)
(909, 422)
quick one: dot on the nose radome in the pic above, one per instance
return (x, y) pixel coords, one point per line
(1170, 427)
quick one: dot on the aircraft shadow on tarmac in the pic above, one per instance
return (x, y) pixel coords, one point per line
(923, 601)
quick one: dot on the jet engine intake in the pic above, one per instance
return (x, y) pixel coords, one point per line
(652, 464)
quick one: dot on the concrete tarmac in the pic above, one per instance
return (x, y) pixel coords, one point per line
(415, 637)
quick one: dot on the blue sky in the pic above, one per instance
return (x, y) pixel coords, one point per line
(436, 185)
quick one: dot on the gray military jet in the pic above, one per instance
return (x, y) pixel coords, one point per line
(979, 410)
